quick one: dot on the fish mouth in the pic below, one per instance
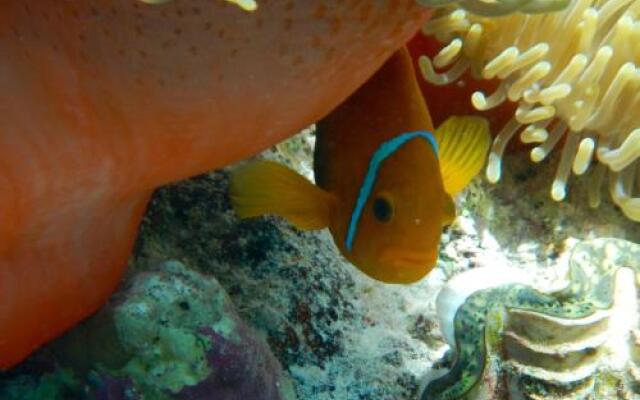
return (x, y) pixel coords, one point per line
(408, 257)
(410, 260)
(400, 265)
(402, 258)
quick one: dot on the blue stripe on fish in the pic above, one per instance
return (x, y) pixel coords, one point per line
(385, 150)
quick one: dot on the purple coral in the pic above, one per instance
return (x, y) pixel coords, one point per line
(116, 389)
(243, 369)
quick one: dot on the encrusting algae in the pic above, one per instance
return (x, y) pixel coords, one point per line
(574, 76)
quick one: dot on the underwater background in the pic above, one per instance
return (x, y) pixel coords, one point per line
(534, 295)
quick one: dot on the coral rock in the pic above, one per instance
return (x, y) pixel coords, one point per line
(188, 343)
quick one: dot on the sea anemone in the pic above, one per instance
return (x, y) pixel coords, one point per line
(502, 7)
(573, 74)
(247, 5)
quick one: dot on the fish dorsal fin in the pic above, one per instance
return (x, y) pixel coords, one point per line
(464, 143)
(266, 187)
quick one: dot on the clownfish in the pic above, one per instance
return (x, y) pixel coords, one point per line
(385, 178)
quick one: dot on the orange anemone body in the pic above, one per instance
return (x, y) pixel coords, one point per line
(102, 101)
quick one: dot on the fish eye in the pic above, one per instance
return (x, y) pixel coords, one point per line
(383, 208)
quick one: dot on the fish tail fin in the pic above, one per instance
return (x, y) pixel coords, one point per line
(266, 187)
(463, 146)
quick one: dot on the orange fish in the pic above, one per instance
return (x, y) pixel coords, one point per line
(104, 100)
(384, 177)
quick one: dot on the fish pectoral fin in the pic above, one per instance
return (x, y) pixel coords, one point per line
(463, 146)
(449, 210)
(266, 187)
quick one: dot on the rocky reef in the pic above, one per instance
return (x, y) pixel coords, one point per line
(172, 329)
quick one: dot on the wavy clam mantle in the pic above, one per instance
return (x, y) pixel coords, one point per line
(566, 344)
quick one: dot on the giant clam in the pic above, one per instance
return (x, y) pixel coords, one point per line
(577, 342)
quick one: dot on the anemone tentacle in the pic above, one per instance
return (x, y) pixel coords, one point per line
(583, 87)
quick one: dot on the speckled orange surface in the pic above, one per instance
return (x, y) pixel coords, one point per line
(104, 100)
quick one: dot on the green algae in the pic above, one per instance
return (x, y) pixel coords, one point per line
(159, 324)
